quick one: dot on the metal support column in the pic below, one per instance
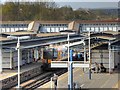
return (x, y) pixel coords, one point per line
(68, 62)
(71, 70)
(36, 53)
(18, 48)
(89, 57)
(103, 28)
(0, 59)
(109, 47)
(94, 29)
(11, 61)
(84, 52)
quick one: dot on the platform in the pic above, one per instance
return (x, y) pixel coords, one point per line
(99, 80)
(8, 73)
(27, 71)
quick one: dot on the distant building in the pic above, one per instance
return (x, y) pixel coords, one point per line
(56, 26)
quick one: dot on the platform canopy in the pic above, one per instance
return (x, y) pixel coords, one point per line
(41, 41)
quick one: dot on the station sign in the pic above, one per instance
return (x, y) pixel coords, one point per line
(64, 64)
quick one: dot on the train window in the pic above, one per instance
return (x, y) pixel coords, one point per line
(55, 53)
(66, 25)
(48, 24)
(1, 25)
(4, 25)
(50, 54)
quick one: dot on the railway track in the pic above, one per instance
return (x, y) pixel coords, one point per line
(40, 80)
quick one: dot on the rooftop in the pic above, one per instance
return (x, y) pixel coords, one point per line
(61, 22)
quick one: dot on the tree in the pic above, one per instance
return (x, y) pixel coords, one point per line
(50, 11)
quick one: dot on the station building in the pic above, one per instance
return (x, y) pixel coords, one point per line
(46, 34)
(56, 26)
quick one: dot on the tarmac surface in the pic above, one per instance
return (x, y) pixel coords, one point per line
(99, 80)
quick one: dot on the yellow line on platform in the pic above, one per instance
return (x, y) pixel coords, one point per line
(117, 85)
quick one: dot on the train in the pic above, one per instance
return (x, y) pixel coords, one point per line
(58, 54)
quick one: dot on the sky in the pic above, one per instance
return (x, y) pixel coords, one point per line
(89, 3)
(75, 4)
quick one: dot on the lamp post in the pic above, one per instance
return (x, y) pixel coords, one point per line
(89, 56)
(68, 38)
(109, 48)
(70, 76)
(68, 32)
(18, 49)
